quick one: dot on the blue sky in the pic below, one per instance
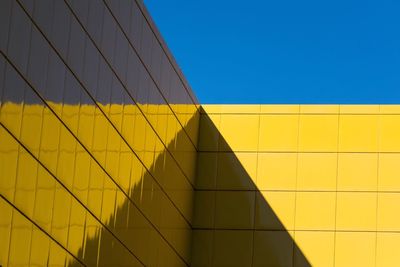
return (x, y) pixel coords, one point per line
(285, 51)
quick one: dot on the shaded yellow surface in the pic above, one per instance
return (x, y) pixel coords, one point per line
(97, 183)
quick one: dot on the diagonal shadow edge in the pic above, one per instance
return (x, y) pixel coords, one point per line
(90, 248)
(240, 182)
(119, 221)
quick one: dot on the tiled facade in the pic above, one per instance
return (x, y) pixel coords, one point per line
(98, 134)
(298, 185)
(107, 158)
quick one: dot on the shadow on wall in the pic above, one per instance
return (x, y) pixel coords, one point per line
(225, 231)
(234, 225)
(153, 225)
(163, 238)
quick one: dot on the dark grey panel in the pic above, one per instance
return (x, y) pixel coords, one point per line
(38, 61)
(81, 9)
(91, 67)
(105, 82)
(2, 76)
(166, 74)
(43, 15)
(28, 5)
(145, 45)
(155, 65)
(30, 96)
(14, 86)
(154, 96)
(117, 92)
(19, 39)
(114, 6)
(5, 15)
(121, 52)
(76, 48)
(55, 79)
(61, 26)
(108, 36)
(132, 75)
(144, 84)
(95, 20)
(136, 27)
(72, 90)
(124, 14)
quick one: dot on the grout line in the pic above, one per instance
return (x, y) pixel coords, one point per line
(294, 113)
(295, 152)
(336, 188)
(294, 244)
(301, 191)
(297, 230)
(377, 192)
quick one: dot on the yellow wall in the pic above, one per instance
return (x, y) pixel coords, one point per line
(275, 186)
(290, 185)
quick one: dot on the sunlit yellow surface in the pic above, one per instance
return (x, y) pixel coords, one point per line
(326, 179)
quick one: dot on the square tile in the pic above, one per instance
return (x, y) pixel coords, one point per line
(235, 210)
(357, 172)
(311, 252)
(355, 249)
(317, 171)
(209, 132)
(240, 132)
(276, 171)
(388, 212)
(206, 170)
(273, 248)
(204, 209)
(356, 211)
(318, 133)
(358, 133)
(387, 249)
(278, 132)
(389, 172)
(202, 248)
(236, 171)
(233, 248)
(275, 210)
(315, 210)
(389, 133)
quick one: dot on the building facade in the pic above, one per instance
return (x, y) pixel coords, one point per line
(298, 185)
(98, 138)
(108, 159)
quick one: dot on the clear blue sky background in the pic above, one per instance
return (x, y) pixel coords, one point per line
(285, 51)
